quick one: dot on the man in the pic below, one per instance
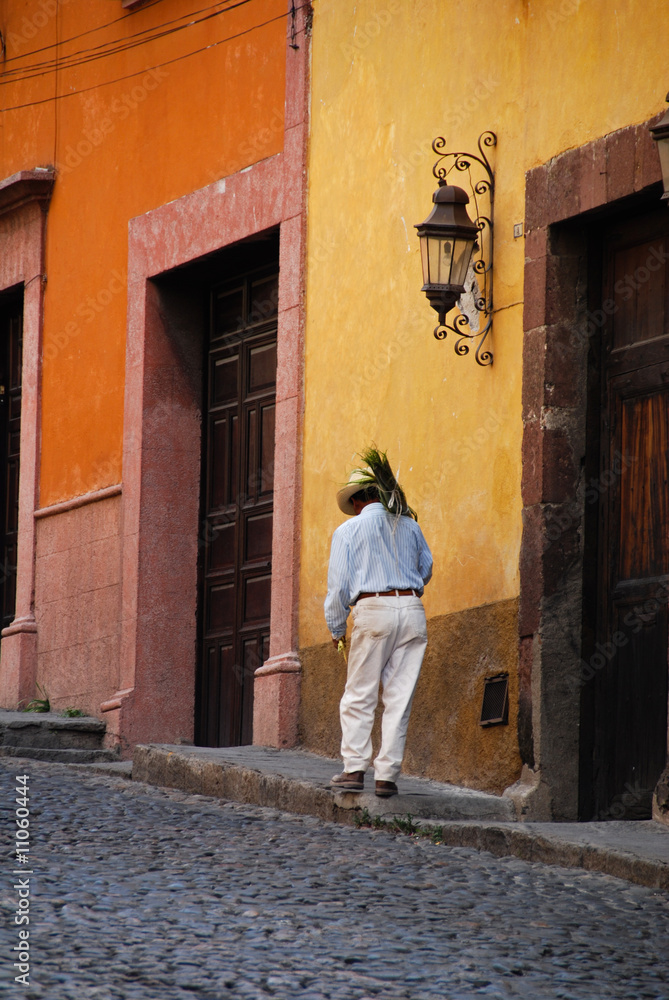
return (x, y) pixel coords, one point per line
(379, 565)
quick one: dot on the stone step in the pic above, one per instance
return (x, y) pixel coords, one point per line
(115, 769)
(60, 755)
(48, 730)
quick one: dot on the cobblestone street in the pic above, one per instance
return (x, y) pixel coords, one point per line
(139, 893)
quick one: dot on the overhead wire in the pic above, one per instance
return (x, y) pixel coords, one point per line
(20, 74)
(108, 24)
(158, 65)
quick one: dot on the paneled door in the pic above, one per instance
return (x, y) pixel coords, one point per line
(629, 660)
(11, 339)
(237, 489)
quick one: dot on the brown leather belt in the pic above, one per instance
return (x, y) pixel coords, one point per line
(388, 593)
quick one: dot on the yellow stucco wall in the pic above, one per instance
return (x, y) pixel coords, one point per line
(387, 77)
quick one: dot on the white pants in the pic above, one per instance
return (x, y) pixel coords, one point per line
(387, 647)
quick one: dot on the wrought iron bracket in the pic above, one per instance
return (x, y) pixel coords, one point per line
(483, 188)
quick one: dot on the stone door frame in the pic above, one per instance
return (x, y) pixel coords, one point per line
(24, 202)
(155, 700)
(557, 320)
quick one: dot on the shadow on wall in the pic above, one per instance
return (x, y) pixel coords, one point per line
(445, 741)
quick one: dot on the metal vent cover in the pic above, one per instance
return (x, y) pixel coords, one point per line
(495, 707)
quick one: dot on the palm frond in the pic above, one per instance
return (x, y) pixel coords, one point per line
(391, 493)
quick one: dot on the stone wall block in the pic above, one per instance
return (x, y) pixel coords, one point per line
(532, 458)
(593, 175)
(562, 546)
(647, 168)
(563, 367)
(536, 242)
(530, 564)
(564, 186)
(559, 467)
(534, 312)
(534, 360)
(563, 272)
(621, 147)
(525, 736)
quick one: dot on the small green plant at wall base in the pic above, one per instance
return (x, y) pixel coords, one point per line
(39, 704)
(407, 826)
(399, 824)
(72, 713)
(363, 818)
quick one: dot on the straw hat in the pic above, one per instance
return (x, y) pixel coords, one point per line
(379, 474)
(358, 480)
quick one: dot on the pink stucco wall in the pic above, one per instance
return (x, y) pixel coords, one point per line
(77, 601)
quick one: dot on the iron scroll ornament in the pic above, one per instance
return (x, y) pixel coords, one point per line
(482, 266)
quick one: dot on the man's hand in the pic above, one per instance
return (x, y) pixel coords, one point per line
(335, 642)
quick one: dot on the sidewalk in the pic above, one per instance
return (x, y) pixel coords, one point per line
(297, 781)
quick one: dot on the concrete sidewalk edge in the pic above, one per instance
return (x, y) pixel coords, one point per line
(158, 765)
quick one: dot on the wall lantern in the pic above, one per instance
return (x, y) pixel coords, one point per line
(448, 238)
(660, 133)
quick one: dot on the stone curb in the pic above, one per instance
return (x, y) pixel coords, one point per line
(114, 769)
(528, 845)
(59, 755)
(158, 765)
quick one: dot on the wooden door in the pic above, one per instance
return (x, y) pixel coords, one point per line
(11, 340)
(629, 660)
(237, 487)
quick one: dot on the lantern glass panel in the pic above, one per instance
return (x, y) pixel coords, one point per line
(434, 259)
(424, 242)
(461, 257)
(446, 261)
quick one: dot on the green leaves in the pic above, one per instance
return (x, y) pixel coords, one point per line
(391, 493)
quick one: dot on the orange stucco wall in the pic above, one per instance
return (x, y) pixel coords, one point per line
(124, 139)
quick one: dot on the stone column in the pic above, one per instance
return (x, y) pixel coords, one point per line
(24, 200)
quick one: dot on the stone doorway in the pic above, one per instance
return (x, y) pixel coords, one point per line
(569, 201)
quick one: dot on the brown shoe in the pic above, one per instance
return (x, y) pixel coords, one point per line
(384, 789)
(349, 781)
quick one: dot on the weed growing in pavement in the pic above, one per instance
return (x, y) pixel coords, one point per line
(399, 824)
(39, 704)
(72, 713)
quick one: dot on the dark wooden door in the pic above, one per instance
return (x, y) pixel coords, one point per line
(630, 655)
(237, 485)
(11, 341)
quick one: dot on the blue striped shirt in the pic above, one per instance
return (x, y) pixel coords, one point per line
(373, 551)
